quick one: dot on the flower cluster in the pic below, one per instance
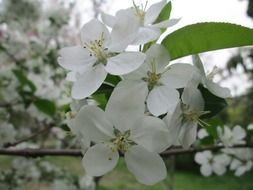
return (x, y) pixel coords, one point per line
(147, 104)
(25, 171)
(238, 160)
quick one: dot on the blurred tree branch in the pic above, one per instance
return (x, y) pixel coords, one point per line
(40, 132)
(78, 153)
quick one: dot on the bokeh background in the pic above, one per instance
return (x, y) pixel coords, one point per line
(34, 95)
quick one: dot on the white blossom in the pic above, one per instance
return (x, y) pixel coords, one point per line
(207, 79)
(250, 127)
(90, 62)
(230, 137)
(87, 183)
(137, 25)
(242, 159)
(183, 122)
(124, 128)
(212, 163)
(161, 80)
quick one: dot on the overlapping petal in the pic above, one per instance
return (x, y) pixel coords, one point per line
(158, 55)
(178, 75)
(162, 99)
(153, 12)
(151, 133)
(88, 82)
(126, 101)
(94, 30)
(99, 159)
(124, 63)
(93, 124)
(147, 167)
(75, 58)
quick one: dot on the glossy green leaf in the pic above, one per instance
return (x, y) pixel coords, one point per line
(46, 106)
(203, 37)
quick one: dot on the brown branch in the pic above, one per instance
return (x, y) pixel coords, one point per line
(78, 153)
(40, 132)
(178, 151)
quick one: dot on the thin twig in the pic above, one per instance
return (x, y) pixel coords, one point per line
(78, 153)
(40, 132)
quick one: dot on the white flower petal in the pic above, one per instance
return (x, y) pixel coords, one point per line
(188, 134)
(158, 55)
(174, 124)
(192, 96)
(203, 157)
(240, 171)
(161, 100)
(151, 133)
(206, 170)
(126, 103)
(235, 164)
(109, 20)
(71, 76)
(222, 159)
(125, 63)
(219, 169)
(92, 122)
(138, 74)
(238, 132)
(147, 167)
(75, 58)
(166, 23)
(249, 165)
(202, 133)
(99, 159)
(145, 35)
(88, 82)
(77, 129)
(218, 90)
(250, 127)
(124, 30)
(178, 75)
(198, 63)
(94, 30)
(153, 12)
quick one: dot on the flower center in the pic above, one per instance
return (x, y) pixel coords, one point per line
(193, 115)
(153, 77)
(140, 11)
(96, 48)
(121, 142)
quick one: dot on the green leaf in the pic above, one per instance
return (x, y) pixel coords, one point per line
(24, 81)
(101, 99)
(105, 89)
(46, 106)
(202, 37)
(214, 123)
(213, 103)
(112, 79)
(165, 13)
